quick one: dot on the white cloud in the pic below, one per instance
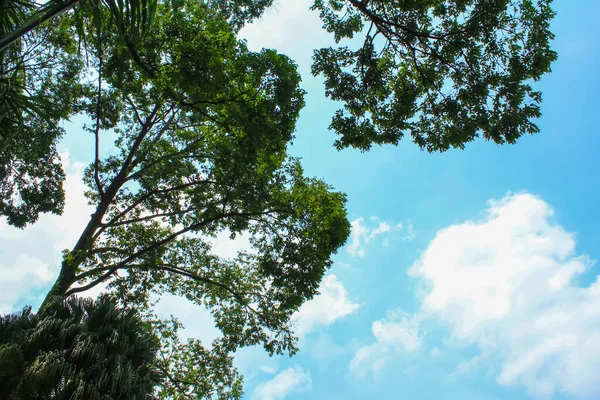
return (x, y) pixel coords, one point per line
(359, 235)
(254, 362)
(400, 334)
(20, 278)
(410, 233)
(324, 309)
(396, 334)
(31, 257)
(283, 384)
(280, 26)
(383, 227)
(267, 369)
(364, 233)
(507, 284)
(468, 366)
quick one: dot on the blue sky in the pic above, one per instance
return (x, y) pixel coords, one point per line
(469, 274)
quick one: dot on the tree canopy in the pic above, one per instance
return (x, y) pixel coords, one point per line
(201, 135)
(37, 91)
(39, 82)
(442, 71)
(201, 126)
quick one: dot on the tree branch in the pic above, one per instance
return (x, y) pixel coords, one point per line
(154, 246)
(144, 198)
(149, 217)
(175, 270)
(176, 382)
(135, 110)
(68, 270)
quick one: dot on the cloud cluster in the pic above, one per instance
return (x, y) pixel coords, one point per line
(278, 28)
(30, 257)
(508, 284)
(332, 304)
(291, 380)
(24, 275)
(396, 334)
(364, 233)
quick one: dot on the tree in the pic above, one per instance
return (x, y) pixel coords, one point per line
(200, 149)
(190, 370)
(443, 71)
(37, 90)
(38, 75)
(26, 16)
(202, 125)
(131, 17)
(77, 349)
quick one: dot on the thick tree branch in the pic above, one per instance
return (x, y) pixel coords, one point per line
(139, 172)
(146, 127)
(135, 110)
(68, 269)
(187, 229)
(166, 125)
(92, 284)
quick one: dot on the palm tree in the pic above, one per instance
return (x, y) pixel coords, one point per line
(77, 349)
(27, 15)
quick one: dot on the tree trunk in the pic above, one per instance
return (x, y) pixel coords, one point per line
(65, 279)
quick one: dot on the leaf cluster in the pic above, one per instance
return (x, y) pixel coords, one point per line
(443, 71)
(77, 349)
(37, 90)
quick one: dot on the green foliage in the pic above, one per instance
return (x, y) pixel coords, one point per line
(30, 172)
(23, 17)
(240, 12)
(79, 349)
(38, 75)
(443, 71)
(189, 370)
(38, 64)
(37, 89)
(201, 126)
